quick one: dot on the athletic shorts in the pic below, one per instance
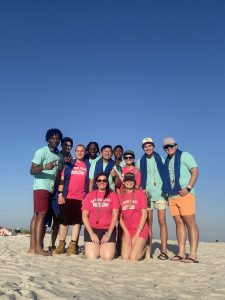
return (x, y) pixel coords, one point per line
(70, 212)
(41, 200)
(100, 233)
(160, 204)
(182, 206)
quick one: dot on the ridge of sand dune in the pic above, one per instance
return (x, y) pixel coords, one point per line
(24, 276)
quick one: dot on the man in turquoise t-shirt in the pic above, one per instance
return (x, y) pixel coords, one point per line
(45, 166)
(153, 188)
(183, 173)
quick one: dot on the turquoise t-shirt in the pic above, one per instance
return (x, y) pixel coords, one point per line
(46, 179)
(119, 169)
(92, 167)
(187, 162)
(154, 181)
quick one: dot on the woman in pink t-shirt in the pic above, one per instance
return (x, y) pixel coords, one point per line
(100, 211)
(133, 218)
(130, 167)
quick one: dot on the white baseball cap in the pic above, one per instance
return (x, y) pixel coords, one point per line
(147, 140)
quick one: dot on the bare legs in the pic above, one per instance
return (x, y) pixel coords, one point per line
(193, 234)
(104, 251)
(133, 252)
(163, 228)
(37, 234)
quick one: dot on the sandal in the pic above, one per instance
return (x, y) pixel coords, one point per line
(163, 256)
(190, 260)
(177, 258)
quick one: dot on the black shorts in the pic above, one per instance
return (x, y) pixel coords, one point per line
(100, 233)
(70, 212)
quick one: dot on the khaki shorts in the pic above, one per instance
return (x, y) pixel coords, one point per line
(160, 204)
(182, 206)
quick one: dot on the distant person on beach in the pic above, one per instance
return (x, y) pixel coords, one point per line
(100, 212)
(133, 220)
(152, 170)
(66, 157)
(45, 165)
(74, 185)
(5, 232)
(183, 173)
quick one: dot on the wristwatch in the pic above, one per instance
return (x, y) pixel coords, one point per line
(189, 188)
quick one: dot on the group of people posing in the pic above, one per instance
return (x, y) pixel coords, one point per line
(113, 197)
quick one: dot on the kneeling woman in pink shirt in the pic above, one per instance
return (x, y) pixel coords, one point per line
(100, 212)
(133, 220)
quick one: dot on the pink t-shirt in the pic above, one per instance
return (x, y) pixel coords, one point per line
(76, 189)
(100, 209)
(131, 211)
(135, 171)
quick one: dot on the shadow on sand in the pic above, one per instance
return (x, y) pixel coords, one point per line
(173, 248)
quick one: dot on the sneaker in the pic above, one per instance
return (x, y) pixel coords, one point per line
(60, 249)
(72, 249)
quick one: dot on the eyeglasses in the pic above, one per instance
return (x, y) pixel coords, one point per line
(168, 146)
(128, 157)
(102, 180)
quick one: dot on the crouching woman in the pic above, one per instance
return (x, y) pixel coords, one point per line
(133, 218)
(100, 211)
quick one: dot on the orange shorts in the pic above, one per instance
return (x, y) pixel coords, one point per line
(182, 206)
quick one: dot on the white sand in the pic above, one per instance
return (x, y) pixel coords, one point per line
(24, 276)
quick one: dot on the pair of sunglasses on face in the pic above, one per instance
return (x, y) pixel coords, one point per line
(169, 146)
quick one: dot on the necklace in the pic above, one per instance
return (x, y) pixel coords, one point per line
(131, 201)
(99, 207)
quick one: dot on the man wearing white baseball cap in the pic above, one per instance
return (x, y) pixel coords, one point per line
(183, 172)
(152, 170)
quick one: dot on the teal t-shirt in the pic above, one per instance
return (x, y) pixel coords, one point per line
(119, 169)
(46, 179)
(187, 162)
(154, 181)
(92, 167)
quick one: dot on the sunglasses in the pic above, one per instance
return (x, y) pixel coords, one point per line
(102, 180)
(128, 157)
(168, 146)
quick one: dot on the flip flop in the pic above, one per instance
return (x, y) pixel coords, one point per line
(190, 260)
(163, 256)
(177, 258)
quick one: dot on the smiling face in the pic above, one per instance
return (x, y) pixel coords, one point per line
(170, 149)
(92, 151)
(106, 154)
(54, 141)
(80, 152)
(66, 147)
(118, 153)
(148, 148)
(101, 182)
(129, 159)
(129, 184)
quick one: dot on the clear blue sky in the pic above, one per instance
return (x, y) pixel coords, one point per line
(114, 72)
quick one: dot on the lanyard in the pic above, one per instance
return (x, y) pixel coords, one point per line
(99, 207)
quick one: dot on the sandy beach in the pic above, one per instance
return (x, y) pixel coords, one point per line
(24, 276)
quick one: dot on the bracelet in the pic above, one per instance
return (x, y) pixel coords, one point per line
(43, 167)
(140, 228)
(108, 234)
